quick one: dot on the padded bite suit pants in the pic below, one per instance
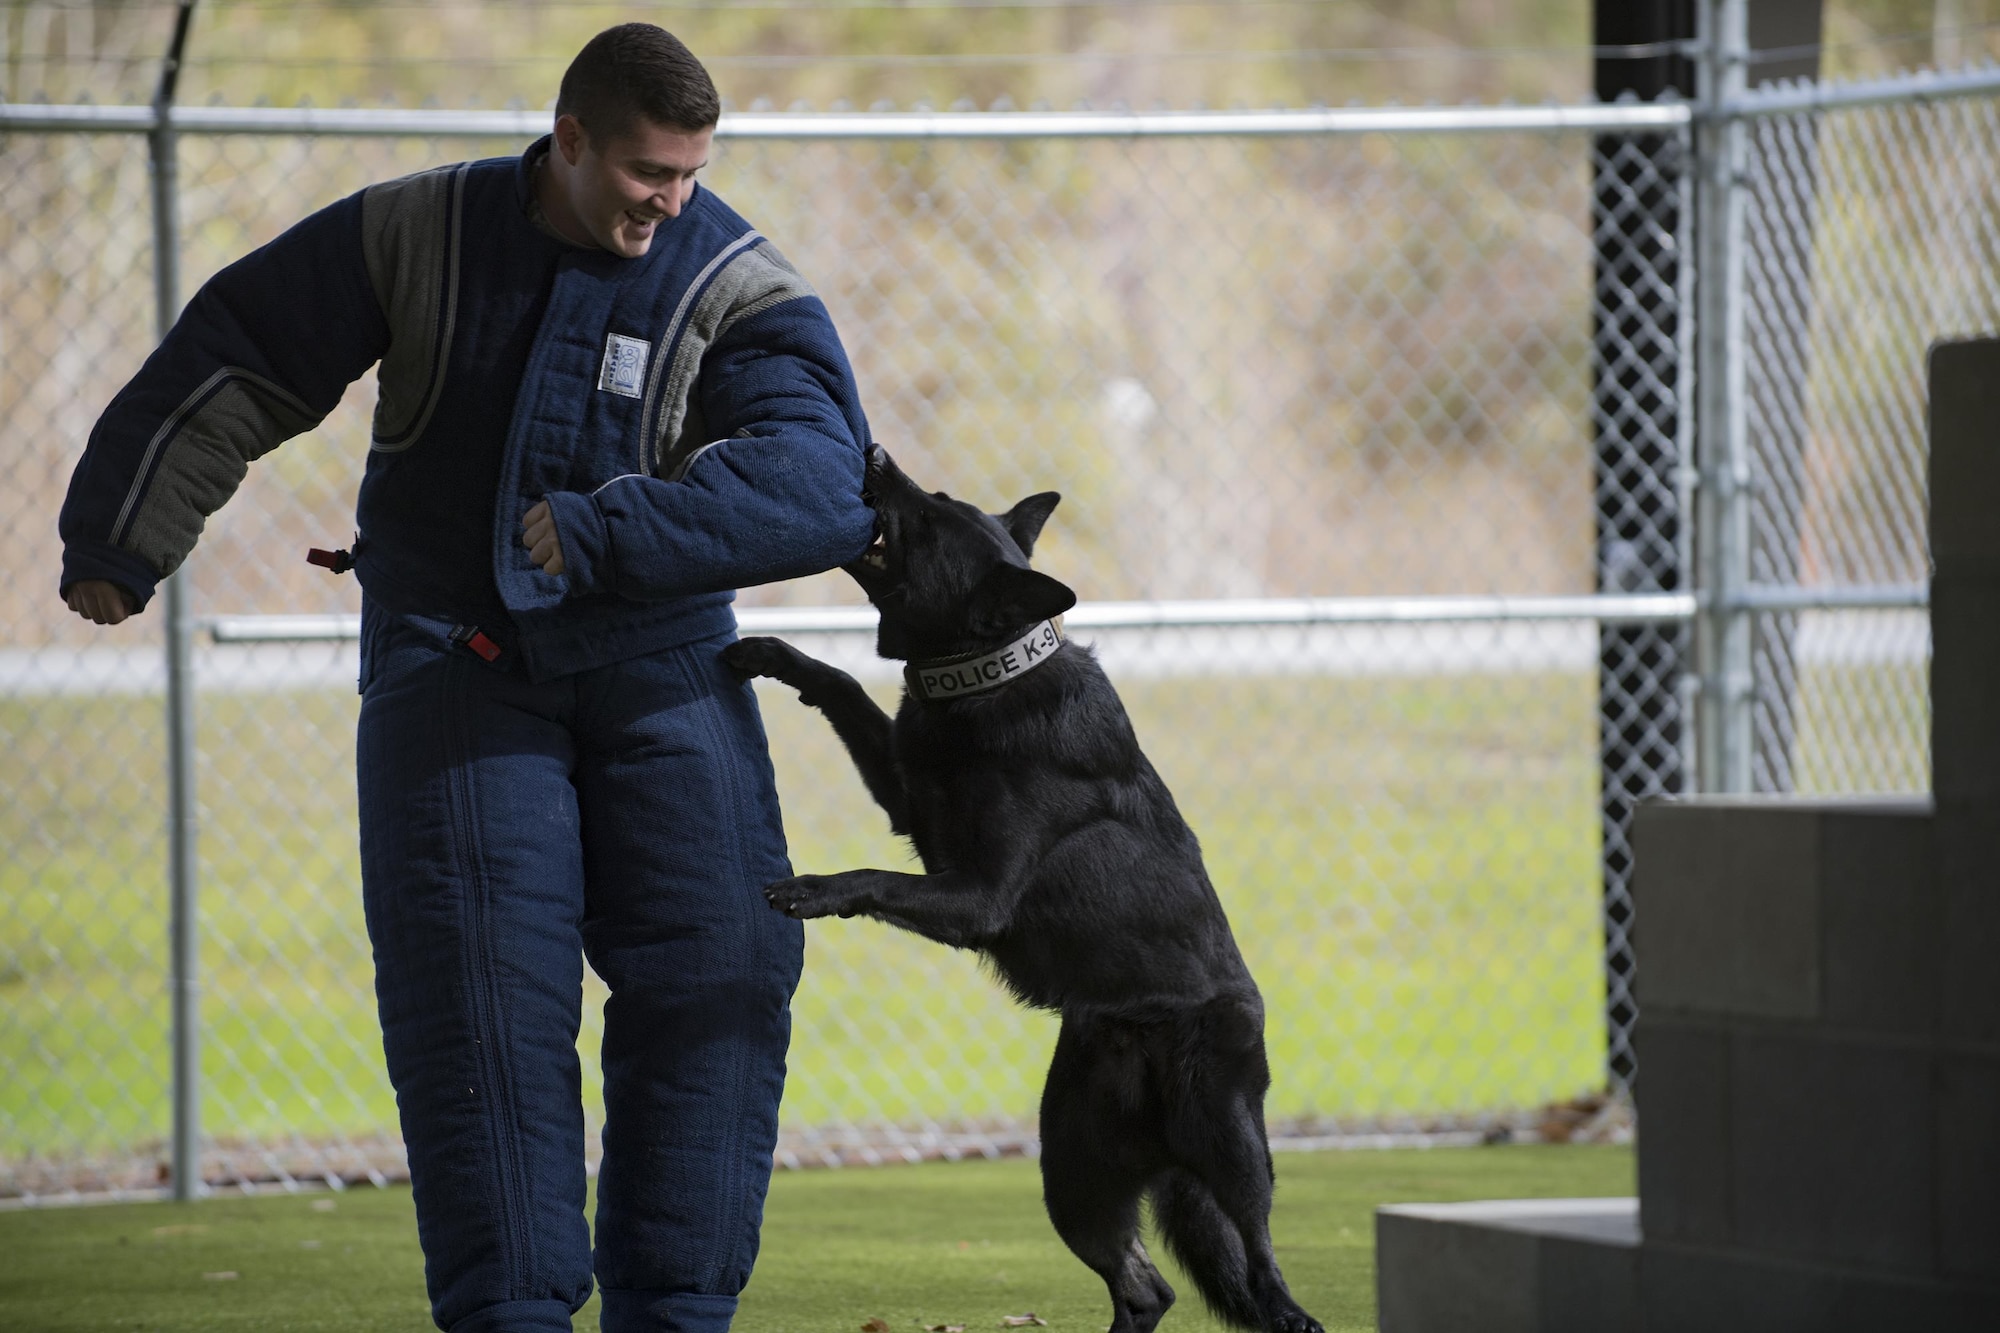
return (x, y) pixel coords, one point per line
(508, 830)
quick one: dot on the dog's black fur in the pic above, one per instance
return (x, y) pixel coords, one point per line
(1053, 848)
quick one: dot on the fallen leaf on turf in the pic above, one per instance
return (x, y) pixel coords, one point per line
(1021, 1320)
(220, 1277)
(324, 1205)
(877, 1325)
(944, 1328)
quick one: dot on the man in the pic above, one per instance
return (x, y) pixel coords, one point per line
(604, 403)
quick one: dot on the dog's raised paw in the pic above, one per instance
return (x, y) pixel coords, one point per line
(759, 656)
(804, 897)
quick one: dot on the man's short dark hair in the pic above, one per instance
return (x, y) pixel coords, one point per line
(632, 71)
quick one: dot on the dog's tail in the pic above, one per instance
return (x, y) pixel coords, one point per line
(1207, 1244)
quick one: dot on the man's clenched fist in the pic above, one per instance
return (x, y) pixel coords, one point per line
(100, 600)
(538, 534)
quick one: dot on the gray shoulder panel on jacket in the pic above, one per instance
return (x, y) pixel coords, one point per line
(753, 280)
(409, 237)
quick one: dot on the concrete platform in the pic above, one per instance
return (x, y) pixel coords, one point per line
(1578, 1266)
(1508, 1266)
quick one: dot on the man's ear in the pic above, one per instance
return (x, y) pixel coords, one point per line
(1013, 596)
(568, 136)
(1024, 521)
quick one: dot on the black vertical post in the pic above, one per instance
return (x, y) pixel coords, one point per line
(1639, 399)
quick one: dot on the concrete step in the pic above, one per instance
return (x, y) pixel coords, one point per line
(1822, 912)
(1508, 1266)
(1579, 1266)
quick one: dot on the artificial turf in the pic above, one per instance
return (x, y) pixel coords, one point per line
(942, 1243)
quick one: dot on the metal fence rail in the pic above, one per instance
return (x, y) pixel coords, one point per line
(897, 126)
(1321, 392)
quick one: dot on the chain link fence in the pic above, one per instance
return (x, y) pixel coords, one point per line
(1373, 445)
(1870, 233)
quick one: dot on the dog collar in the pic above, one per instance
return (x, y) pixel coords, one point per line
(975, 673)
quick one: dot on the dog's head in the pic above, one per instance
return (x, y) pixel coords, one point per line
(946, 576)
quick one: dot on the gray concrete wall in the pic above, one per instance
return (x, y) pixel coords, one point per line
(1796, 1100)
(1965, 676)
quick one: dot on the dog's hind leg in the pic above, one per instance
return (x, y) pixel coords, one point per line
(1208, 1245)
(1095, 1165)
(1224, 1181)
(1226, 1248)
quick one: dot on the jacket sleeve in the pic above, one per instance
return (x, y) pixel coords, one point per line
(262, 353)
(776, 494)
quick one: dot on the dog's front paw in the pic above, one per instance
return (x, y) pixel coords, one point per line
(804, 897)
(761, 657)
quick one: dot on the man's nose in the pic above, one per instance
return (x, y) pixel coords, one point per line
(669, 201)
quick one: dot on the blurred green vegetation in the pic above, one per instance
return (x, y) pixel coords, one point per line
(781, 52)
(1309, 367)
(822, 52)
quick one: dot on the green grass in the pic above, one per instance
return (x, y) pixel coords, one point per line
(1411, 866)
(940, 1243)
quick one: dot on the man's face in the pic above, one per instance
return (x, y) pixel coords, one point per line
(621, 188)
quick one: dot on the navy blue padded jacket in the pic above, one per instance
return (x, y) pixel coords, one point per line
(689, 415)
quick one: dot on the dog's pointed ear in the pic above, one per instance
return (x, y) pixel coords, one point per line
(1014, 595)
(1024, 521)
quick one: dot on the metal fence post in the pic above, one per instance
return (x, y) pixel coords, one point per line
(183, 927)
(1722, 534)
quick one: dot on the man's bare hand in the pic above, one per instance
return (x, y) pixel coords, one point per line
(538, 534)
(100, 600)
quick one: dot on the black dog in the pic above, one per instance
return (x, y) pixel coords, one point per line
(1054, 849)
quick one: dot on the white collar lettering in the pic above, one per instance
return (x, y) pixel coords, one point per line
(956, 677)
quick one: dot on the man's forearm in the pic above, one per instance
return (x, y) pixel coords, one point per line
(752, 510)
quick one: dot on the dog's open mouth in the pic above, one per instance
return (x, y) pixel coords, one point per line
(876, 557)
